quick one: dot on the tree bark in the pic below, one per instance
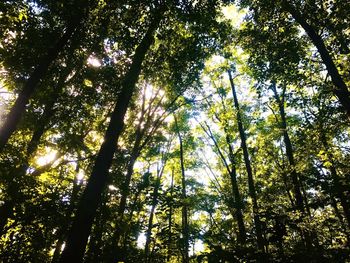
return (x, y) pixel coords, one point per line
(251, 185)
(341, 90)
(18, 109)
(63, 230)
(238, 200)
(185, 227)
(150, 220)
(338, 186)
(82, 223)
(231, 170)
(6, 210)
(289, 151)
(170, 222)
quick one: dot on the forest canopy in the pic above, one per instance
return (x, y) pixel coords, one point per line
(174, 131)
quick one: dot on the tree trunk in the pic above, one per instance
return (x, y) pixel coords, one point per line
(289, 151)
(341, 90)
(185, 227)
(235, 190)
(338, 186)
(170, 238)
(136, 150)
(125, 190)
(94, 251)
(251, 186)
(6, 211)
(63, 230)
(238, 205)
(82, 223)
(150, 220)
(18, 109)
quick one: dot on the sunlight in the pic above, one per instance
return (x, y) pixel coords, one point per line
(47, 158)
(232, 13)
(149, 92)
(80, 176)
(112, 188)
(141, 240)
(198, 247)
(94, 62)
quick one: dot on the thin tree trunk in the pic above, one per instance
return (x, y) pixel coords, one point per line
(63, 230)
(6, 210)
(238, 200)
(238, 205)
(139, 144)
(18, 109)
(341, 90)
(301, 202)
(289, 151)
(170, 215)
(136, 150)
(251, 186)
(91, 198)
(185, 227)
(94, 251)
(150, 220)
(339, 188)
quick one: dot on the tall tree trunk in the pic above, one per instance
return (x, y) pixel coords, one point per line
(170, 223)
(125, 190)
(338, 186)
(82, 223)
(251, 186)
(235, 190)
(185, 227)
(238, 205)
(94, 251)
(310, 236)
(231, 170)
(136, 150)
(150, 220)
(63, 230)
(341, 90)
(17, 110)
(6, 210)
(289, 151)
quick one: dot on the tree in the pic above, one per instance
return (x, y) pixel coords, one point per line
(252, 191)
(81, 227)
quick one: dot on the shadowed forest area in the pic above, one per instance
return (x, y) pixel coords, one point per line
(174, 131)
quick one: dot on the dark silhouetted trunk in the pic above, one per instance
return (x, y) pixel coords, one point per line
(170, 222)
(231, 170)
(238, 200)
(251, 185)
(242, 235)
(133, 157)
(6, 212)
(91, 198)
(185, 227)
(18, 109)
(339, 189)
(153, 208)
(63, 230)
(94, 251)
(289, 151)
(341, 90)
